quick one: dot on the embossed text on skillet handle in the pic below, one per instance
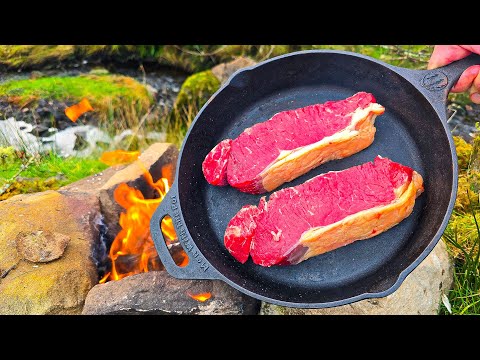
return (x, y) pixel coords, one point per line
(198, 267)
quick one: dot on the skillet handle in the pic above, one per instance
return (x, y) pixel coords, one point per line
(198, 267)
(456, 68)
(437, 83)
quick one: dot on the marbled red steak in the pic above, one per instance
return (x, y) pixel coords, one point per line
(293, 142)
(324, 213)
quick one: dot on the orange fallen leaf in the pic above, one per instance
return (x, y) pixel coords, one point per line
(117, 157)
(75, 111)
(202, 297)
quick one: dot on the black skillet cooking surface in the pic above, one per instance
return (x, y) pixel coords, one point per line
(412, 131)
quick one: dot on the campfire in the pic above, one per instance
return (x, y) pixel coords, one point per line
(133, 251)
(202, 297)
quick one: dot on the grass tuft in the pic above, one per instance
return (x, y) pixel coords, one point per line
(463, 233)
(46, 172)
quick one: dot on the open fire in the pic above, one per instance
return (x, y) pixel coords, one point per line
(202, 297)
(133, 250)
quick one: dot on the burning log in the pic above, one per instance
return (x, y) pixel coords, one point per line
(133, 251)
(159, 160)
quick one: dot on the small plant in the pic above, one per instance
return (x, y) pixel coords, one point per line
(465, 296)
(44, 172)
(463, 233)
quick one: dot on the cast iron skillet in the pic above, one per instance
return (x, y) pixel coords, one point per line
(413, 131)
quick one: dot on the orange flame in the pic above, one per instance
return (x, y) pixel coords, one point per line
(75, 111)
(184, 261)
(117, 157)
(202, 297)
(133, 250)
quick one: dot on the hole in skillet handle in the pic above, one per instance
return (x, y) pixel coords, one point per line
(175, 248)
(198, 267)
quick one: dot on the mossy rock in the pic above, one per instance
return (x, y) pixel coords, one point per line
(197, 89)
(98, 89)
(32, 185)
(194, 93)
(35, 56)
(118, 101)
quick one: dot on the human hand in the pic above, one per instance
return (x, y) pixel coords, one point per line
(470, 78)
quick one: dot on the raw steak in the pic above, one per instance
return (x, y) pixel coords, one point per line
(292, 143)
(326, 212)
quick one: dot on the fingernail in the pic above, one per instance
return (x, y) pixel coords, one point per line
(475, 97)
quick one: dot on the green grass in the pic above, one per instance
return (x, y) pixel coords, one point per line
(95, 88)
(192, 58)
(48, 56)
(52, 164)
(47, 172)
(464, 298)
(463, 233)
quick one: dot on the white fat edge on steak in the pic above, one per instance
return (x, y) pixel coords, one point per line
(402, 195)
(346, 134)
(400, 199)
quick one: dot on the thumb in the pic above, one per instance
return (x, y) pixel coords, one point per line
(445, 54)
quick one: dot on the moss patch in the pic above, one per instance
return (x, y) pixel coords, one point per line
(463, 235)
(194, 93)
(99, 90)
(469, 176)
(468, 194)
(18, 56)
(49, 172)
(464, 152)
(7, 156)
(197, 89)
